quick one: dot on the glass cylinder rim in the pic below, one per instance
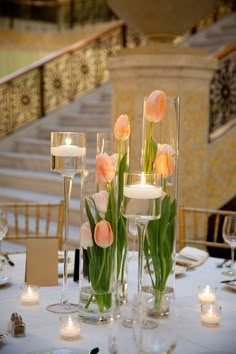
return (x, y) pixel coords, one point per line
(68, 132)
(208, 306)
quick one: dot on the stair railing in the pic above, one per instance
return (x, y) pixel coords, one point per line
(34, 91)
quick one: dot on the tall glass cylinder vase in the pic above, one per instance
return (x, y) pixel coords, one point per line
(97, 295)
(160, 154)
(118, 150)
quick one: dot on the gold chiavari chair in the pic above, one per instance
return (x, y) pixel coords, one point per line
(201, 228)
(27, 220)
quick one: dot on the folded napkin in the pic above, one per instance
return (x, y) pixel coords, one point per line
(191, 256)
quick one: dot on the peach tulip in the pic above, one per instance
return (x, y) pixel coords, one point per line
(86, 236)
(155, 106)
(101, 200)
(103, 234)
(105, 168)
(122, 127)
(164, 164)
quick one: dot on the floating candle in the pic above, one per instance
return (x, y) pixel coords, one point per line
(142, 191)
(207, 294)
(211, 314)
(70, 328)
(68, 150)
(29, 295)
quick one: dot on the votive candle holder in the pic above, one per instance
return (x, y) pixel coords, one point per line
(29, 295)
(70, 328)
(211, 314)
(207, 294)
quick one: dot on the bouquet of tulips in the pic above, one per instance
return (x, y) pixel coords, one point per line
(104, 234)
(159, 240)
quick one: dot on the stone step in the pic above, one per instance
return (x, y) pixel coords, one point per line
(36, 182)
(90, 132)
(33, 146)
(42, 147)
(97, 107)
(25, 161)
(87, 120)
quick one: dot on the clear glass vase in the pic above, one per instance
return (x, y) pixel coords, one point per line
(160, 154)
(119, 152)
(97, 279)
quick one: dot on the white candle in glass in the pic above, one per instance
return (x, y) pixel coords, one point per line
(29, 295)
(142, 191)
(70, 328)
(68, 150)
(211, 314)
(207, 294)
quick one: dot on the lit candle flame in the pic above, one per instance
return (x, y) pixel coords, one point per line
(68, 141)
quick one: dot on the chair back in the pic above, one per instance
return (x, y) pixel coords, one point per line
(201, 228)
(34, 220)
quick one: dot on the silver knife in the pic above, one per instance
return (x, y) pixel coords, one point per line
(228, 281)
(9, 260)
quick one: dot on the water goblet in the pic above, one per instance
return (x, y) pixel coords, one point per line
(68, 157)
(3, 227)
(229, 236)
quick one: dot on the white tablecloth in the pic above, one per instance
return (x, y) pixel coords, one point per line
(43, 327)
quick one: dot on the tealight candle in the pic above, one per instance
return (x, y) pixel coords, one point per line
(142, 191)
(207, 294)
(210, 314)
(70, 328)
(68, 150)
(29, 295)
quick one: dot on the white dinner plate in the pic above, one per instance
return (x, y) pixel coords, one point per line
(179, 270)
(70, 268)
(4, 279)
(231, 285)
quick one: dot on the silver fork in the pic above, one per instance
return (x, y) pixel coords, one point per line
(220, 265)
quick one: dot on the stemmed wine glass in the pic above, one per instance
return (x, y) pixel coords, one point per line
(141, 203)
(68, 157)
(229, 236)
(3, 227)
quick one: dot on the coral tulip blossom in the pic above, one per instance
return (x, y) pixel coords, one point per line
(155, 106)
(105, 168)
(103, 234)
(101, 200)
(164, 164)
(122, 127)
(86, 236)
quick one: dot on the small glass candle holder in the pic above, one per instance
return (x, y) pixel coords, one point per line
(210, 314)
(70, 328)
(29, 295)
(207, 294)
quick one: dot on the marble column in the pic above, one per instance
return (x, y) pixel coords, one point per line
(183, 72)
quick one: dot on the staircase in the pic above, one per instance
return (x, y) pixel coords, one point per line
(214, 37)
(25, 156)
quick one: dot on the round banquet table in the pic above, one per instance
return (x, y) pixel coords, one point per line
(43, 327)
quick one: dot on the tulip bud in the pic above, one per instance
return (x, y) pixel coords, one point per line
(164, 164)
(122, 127)
(86, 236)
(155, 106)
(105, 168)
(101, 200)
(103, 234)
